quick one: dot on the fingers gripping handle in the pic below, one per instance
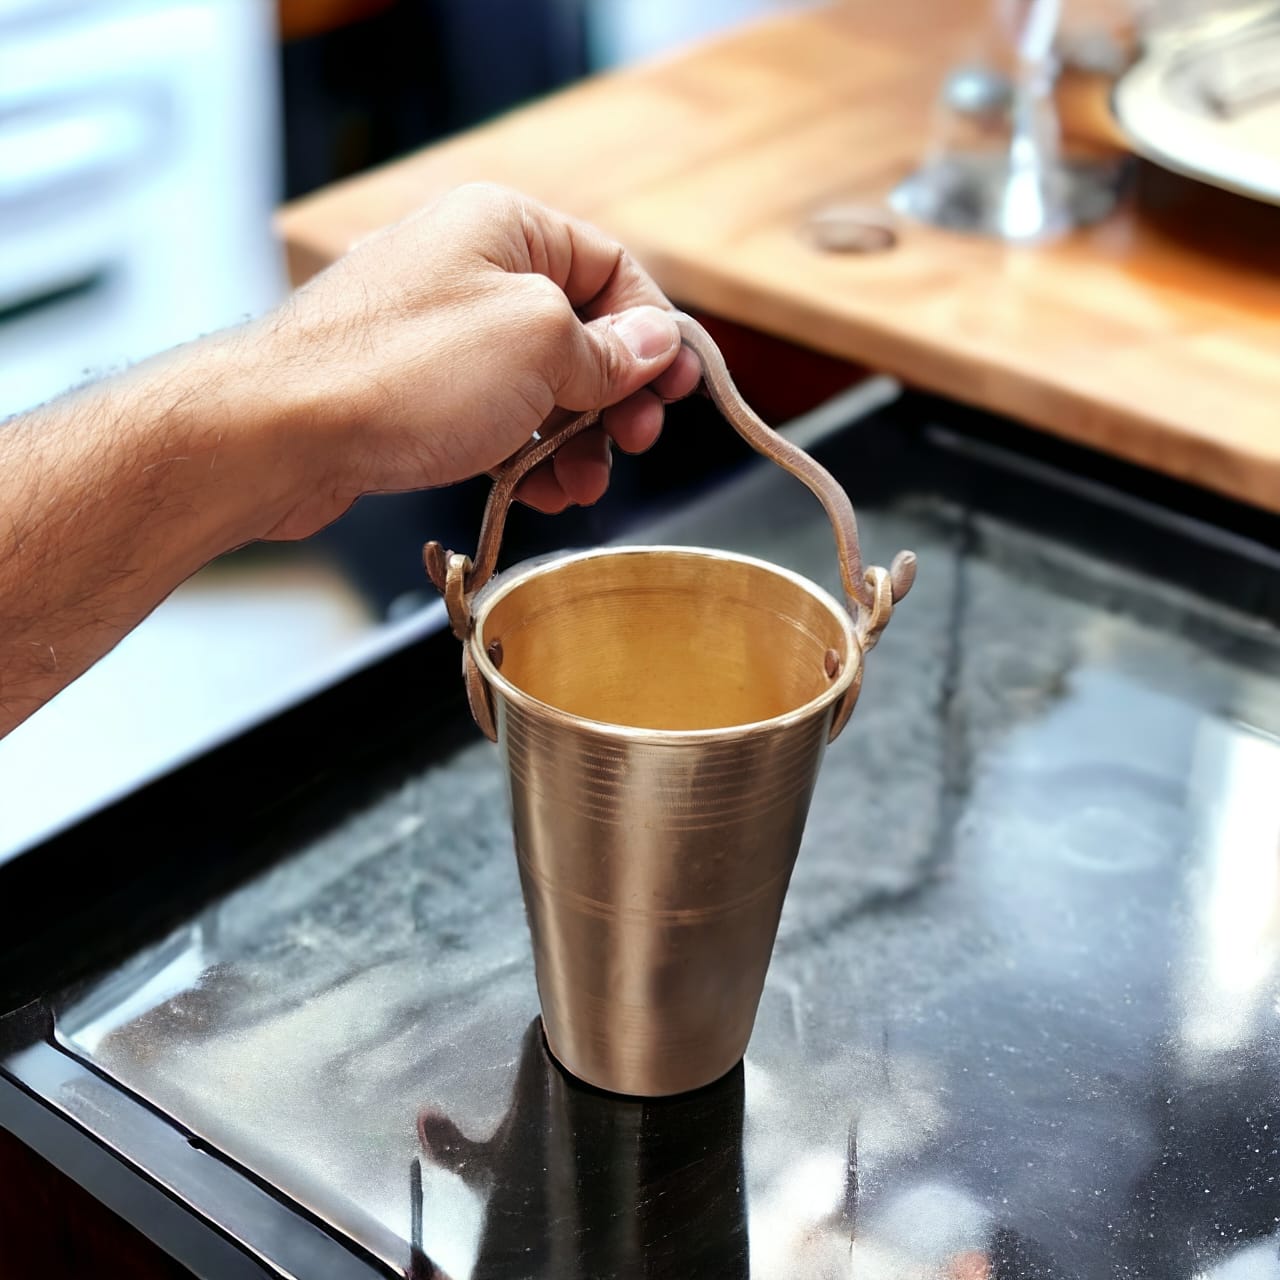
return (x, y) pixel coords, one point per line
(871, 594)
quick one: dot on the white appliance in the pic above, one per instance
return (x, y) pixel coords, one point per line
(139, 167)
(139, 171)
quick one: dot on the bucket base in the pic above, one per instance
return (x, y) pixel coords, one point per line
(617, 1093)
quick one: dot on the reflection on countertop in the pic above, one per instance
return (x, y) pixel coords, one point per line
(580, 1183)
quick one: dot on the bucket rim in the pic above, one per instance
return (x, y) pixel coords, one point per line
(504, 583)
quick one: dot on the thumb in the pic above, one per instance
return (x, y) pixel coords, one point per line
(617, 355)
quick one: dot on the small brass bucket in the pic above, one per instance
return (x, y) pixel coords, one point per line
(662, 713)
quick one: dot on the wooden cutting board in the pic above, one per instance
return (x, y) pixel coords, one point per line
(1154, 336)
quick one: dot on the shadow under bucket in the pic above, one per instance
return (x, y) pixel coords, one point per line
(661, 713)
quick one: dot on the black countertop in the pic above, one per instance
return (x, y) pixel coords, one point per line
(1022, 1017)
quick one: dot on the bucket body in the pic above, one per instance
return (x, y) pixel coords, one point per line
(662, 713)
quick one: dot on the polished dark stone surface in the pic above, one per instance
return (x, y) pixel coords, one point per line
(1022, 1014)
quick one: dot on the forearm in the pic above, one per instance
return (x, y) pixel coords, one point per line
(430, 353)
(113, 496)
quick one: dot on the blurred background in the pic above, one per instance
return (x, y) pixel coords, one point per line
(144, 146)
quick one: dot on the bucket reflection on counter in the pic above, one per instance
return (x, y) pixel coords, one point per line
(578, 1184)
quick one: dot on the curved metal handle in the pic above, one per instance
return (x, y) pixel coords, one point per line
(871, 593)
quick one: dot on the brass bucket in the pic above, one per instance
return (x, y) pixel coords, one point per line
(662, 712)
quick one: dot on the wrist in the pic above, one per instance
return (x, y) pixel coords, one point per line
(264, 432)
(303, 411)
(200, 438)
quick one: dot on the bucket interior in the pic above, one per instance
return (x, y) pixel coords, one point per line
(665, 639)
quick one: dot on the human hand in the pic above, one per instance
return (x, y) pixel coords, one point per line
(431, 352)
(437, 347)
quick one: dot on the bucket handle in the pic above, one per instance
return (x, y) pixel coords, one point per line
(870, 593)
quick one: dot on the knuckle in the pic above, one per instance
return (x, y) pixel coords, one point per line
(482, 204)
(549, 311)
(612, 361)
(547, 330)
(484, 194)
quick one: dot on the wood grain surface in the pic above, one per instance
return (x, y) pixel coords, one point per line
(1154, 336)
